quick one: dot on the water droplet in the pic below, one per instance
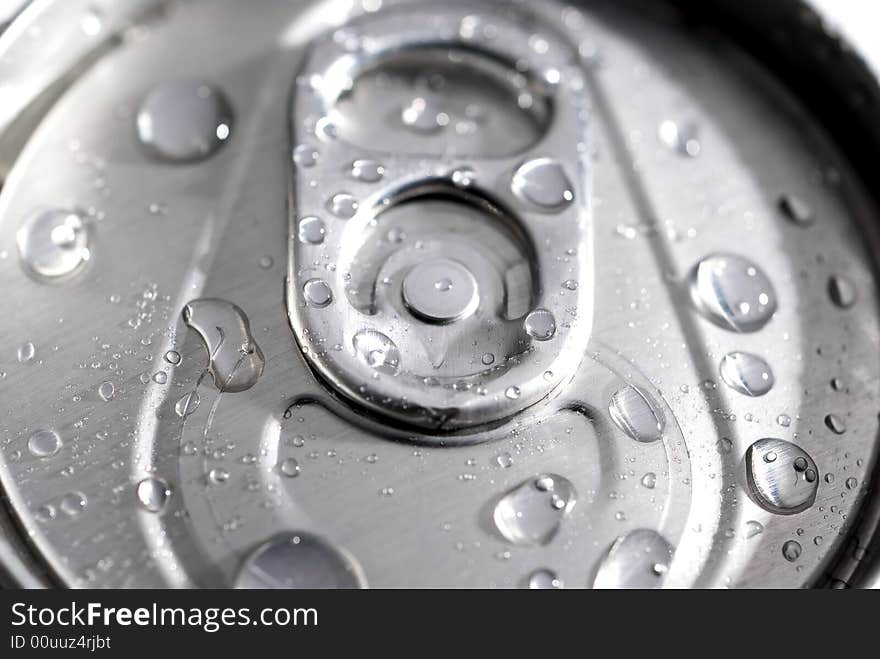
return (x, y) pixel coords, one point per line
(512, 392)
(746, 373)
(540, 325)
(683, 138)
(796, 210)
(649, 480)
(311, 230)
(305, 156)
(530, 514)
(160, 377)
(504, 460)
(368, 171)
(153, 494)
(835, 424)
(26, 352)
(73, 503)
(639, 559)
(753, 528)
(782, 477)
(53, 244)
(187, 404)
(234, 359)
(842, 291)
(543, 182)
(851, 483)
(377, 351)
(791, 550)
(570, 285)
(172, 357)
(343, 205)
(106, 390)
(783, 420)
(218, 475)
(544, 579)
(44, 443)
(635, 415)
(299, 560)
(289, 467)
(487, 359)
(732, 292)
(317, 293)
(184, 121)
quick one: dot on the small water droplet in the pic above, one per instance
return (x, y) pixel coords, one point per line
(570, 285)
(218, 475)
(44, 443)
(732, 292)
(504, 460)
(746, 373)
(299, 560)
(184, 121)
(543, 182)
(649, 480)
(153, 494)
(172, 357)
(851, 483)
(635, 415)
(530, 514)
(512, 392)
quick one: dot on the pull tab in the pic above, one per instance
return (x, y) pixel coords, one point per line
(441, 241)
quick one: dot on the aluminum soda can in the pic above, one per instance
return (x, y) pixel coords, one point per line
(398, 293)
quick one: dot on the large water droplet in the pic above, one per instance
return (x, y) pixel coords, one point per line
(368, 171)
(234, 359)
(106, 390)
(53, 244)
(732, 292)
(311, 230)
(543, 182)
(782, 476)
(791, 550)
(317, 293)
(746, 373)
(299, 560)
(640, 559)
(25, 352)
(635, 415)
(73, 503)
(377, 351)
(835, 424)
(544, 579)
(44, 443)
(187, 404)
(540, 325)
(842, 291)
(184, 121)
(153, 494)
(343, 205)
(305, 156)
(796, 210)
(530, 514)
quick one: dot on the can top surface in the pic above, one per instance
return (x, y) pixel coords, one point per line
(392, 294)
